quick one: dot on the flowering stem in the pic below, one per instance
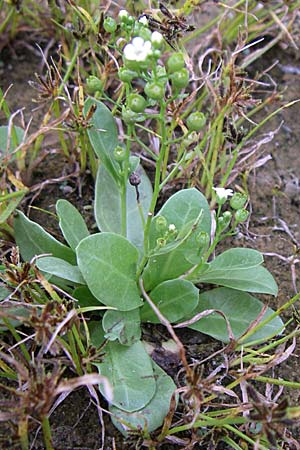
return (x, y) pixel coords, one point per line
(124, 183)
(156, 188)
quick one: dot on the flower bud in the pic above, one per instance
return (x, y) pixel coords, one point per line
(172, 231)
(227, 216)
(161, 242)
(123, 15)
(224, 221)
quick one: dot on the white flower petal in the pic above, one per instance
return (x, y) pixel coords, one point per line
(130, 52)
(223, 193)
(138, 42)
(157, 37)
(143, 20)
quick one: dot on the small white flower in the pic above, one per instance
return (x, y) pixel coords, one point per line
(172, 227)
(223, 194)
(123, 14)
(143, 20)
(157, 37)
(138, 50)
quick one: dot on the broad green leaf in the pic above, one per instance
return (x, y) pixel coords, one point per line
(10, 204)
(152, 415)
(60, 268)
(129, 370)
(71, 223)
(174, 298)
(230, 261)
(4, 292)
(108, 263)
(19, 135)
(256, 279)
(237, 258)
(33, 240)
(15, 315)
(108, 205)
(184, 207)
(96, 333)
(103, 135)
(85, 297)
(122, 325)
(240, 308)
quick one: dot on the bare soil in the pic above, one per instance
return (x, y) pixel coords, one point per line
(274, 229)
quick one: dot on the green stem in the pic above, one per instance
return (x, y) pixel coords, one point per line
(56, 110)
(70, 67)
(23, 433)
(157, 178)
(210, 422)
(230, 442)
(47, 433)
(279, 382)
(166, 140)
(74, 353)
(216, 147)
(16, 336)
(7, 19)
(124, 182)
(245, 437)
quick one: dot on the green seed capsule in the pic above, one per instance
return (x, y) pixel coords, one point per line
(136, 103)
(155, 91)
(119, 154)
(180, 78)
(196, 121)
(161, 224)
(238, 200)
(93, 84)
(202, 239)
(127, 75)
(109, 25)
(241, 215)
(175, 62)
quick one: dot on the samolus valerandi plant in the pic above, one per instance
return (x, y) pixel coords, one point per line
(167, 256)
